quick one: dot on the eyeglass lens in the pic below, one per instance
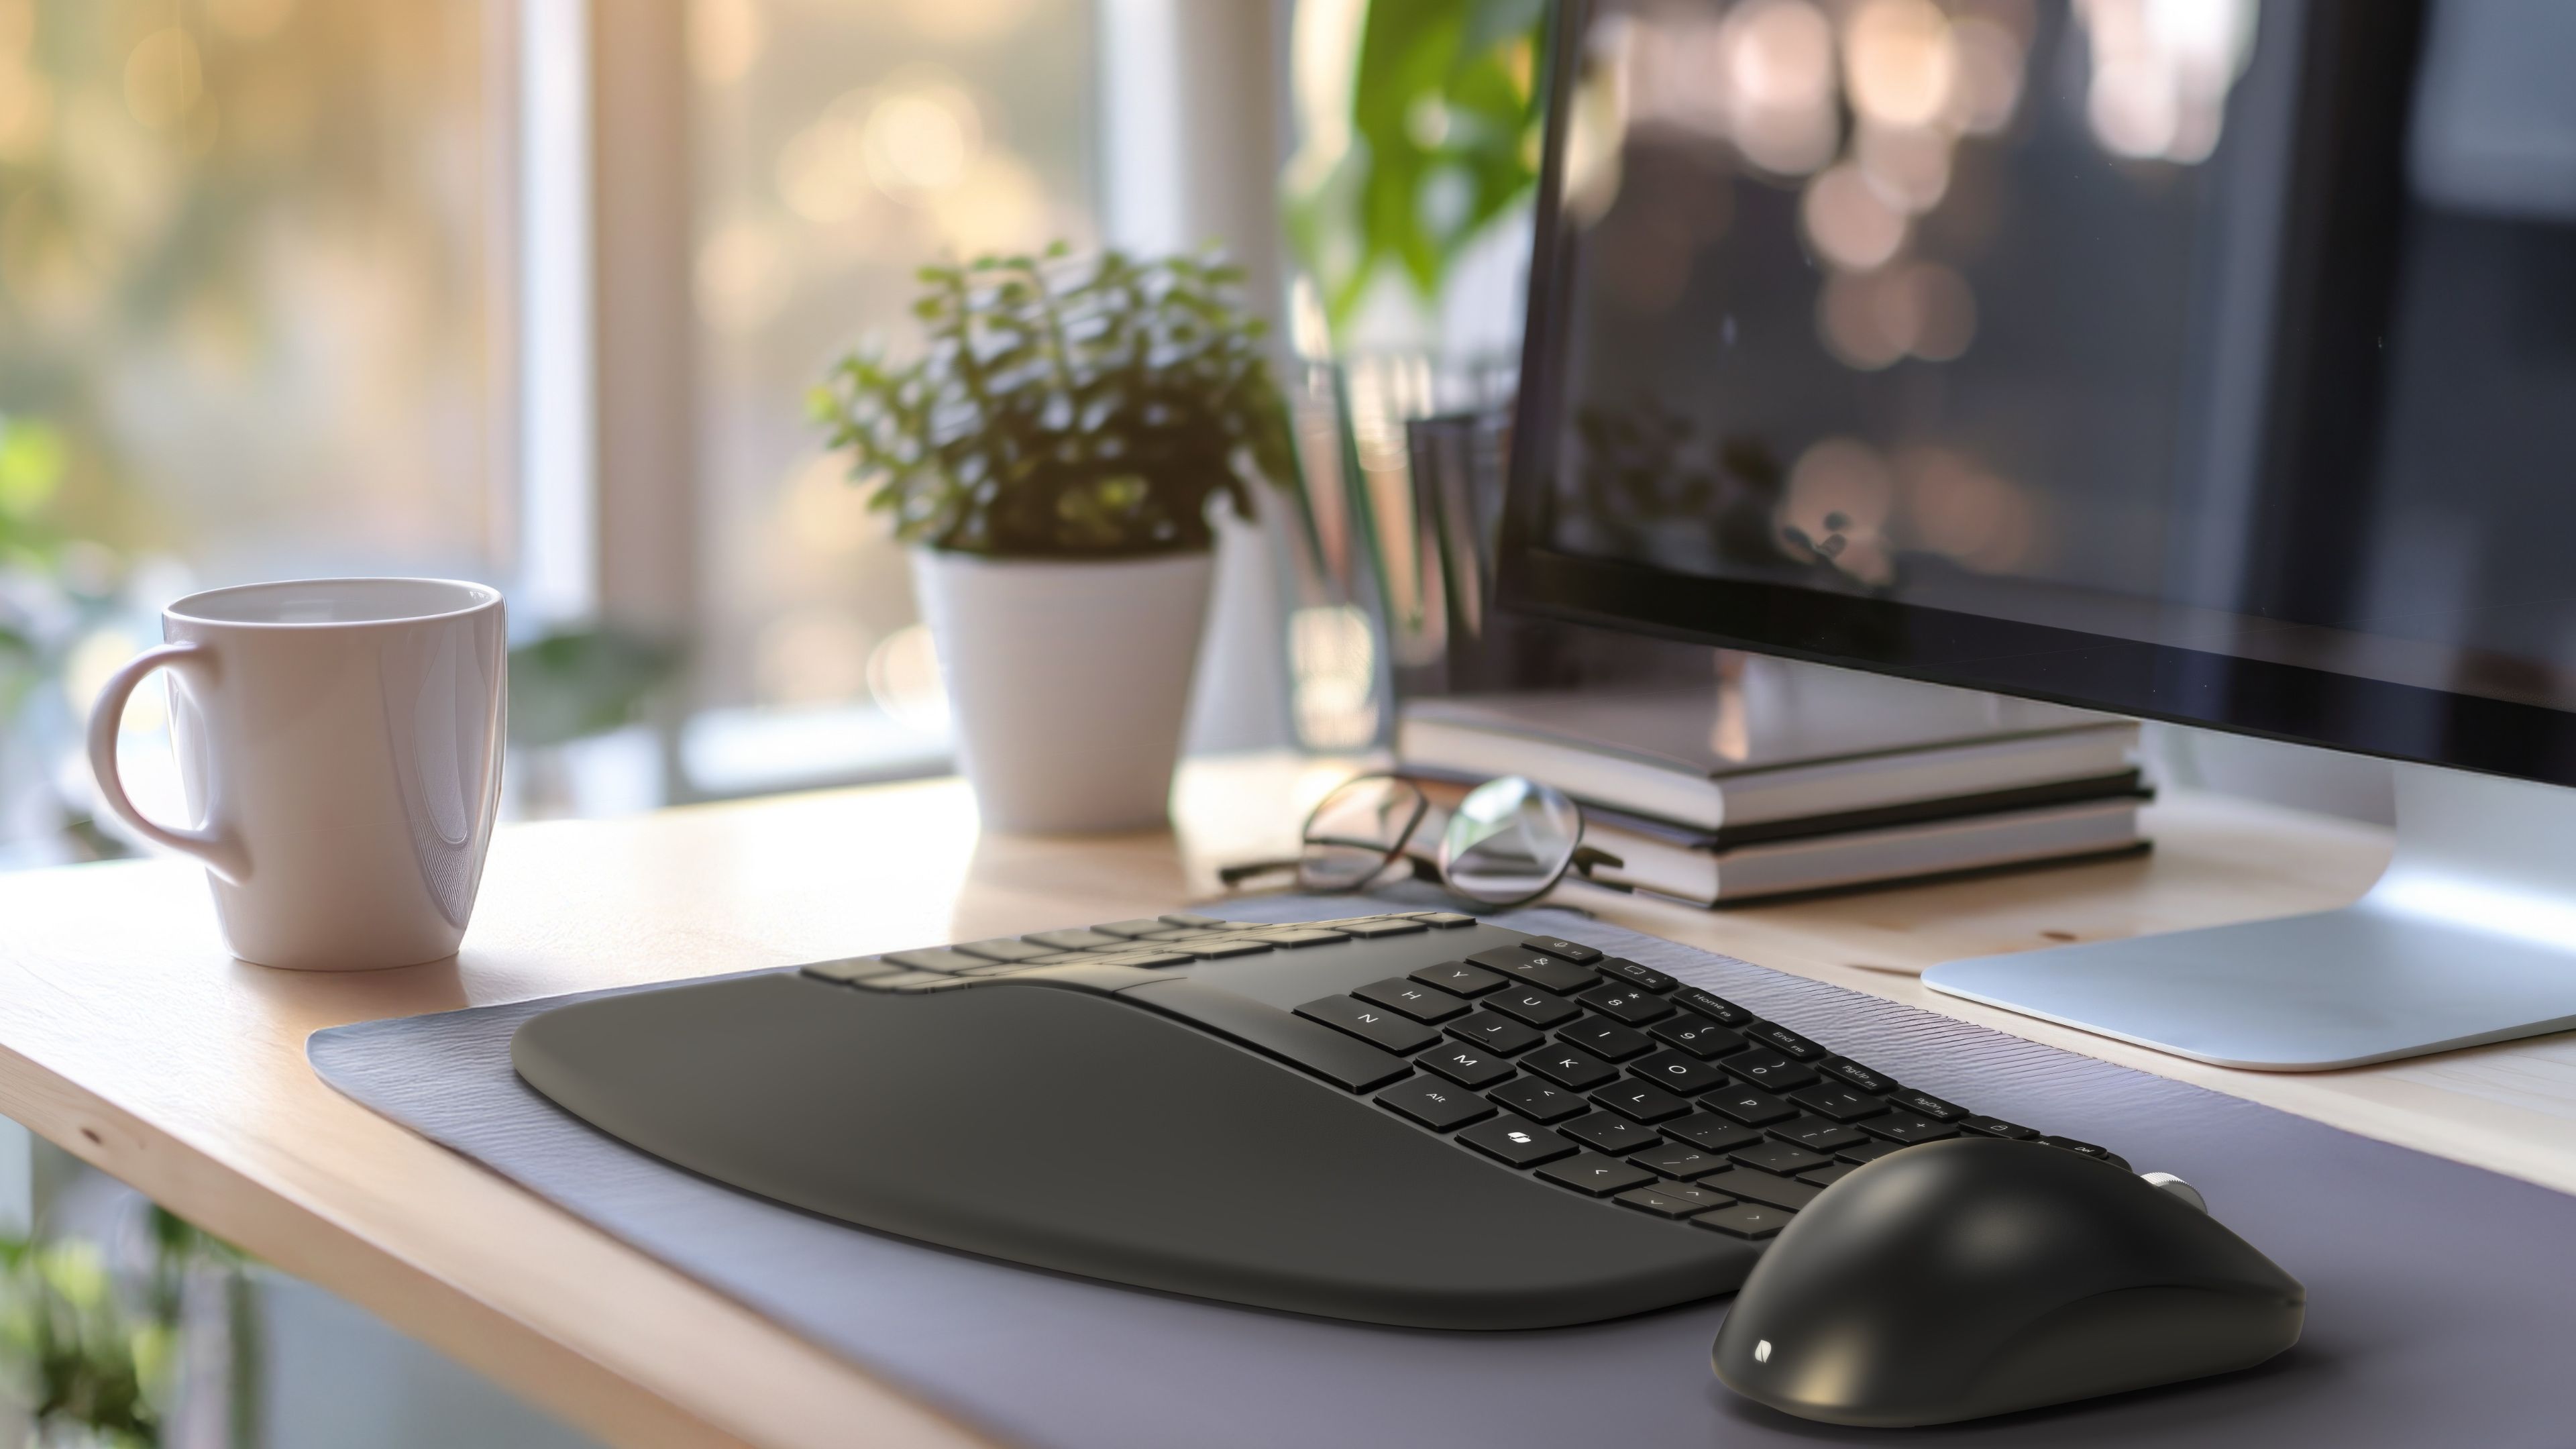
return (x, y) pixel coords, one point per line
(1358, 831)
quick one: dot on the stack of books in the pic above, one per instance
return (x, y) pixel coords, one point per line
(1794, 778)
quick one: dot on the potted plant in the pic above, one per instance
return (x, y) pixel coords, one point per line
(1053, 454)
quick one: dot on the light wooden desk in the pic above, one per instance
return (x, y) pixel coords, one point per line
(130, 1038)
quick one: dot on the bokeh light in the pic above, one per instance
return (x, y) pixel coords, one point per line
(1848, 222)
(1957, 508)
(1898, 62)
(1779, 77)
(743, 276)
(726, 39)
(2161, 71)
(904, 679)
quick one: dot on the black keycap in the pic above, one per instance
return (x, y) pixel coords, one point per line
(1634, 1005)
(1679, 1071)
(1858, 1075)
(1611, 1133)
(1781, 1157)
(1570, 1067)
(1370, 1023)
(1650, 1200)
(1374, 929)
(1595, 1176)
(1076, 939)
(939, 958)
(1764, 1187)
(1538, 1008)
(1194, 921)
(1770, 1071)
(1218, 948)
(1516, 1141)
(1535, 968)
(1780, 1038)
(1605, 1039)
(848, 972)
(1744, 1220)
(1467, 1066)
(1149, 958)
(1141, 926)
(1908, 1128)
(1678, 1159)
(1458, 978)
(1700, 1196)
(902, 979)
(1716, 1008)
(1422, 1003)
(1748, 1105)
(2087, 1148)
(998, 968)
(1700, 1036)
(1435, 1104)
(1828, 1176)
(1539, 1101)
(1642, 1101)
(1929, 1105)
(1004, 948)
(1353, 1063)
(1634, 974)
(1579, 955)
(1443, 920)
(1294, 937)
(1818, 1134)
(1498, 1034)
(1843, 1104)
(1869, 1151)
(1065, 958)
(1711, 1133)
(1996, 1127)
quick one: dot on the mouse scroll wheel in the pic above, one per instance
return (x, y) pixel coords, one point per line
(2167, 1182)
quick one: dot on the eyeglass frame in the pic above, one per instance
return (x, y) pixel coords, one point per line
(1581, 859)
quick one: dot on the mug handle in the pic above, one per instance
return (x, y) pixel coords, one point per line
(213, 845)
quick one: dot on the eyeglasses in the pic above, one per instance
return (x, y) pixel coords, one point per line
(1508, 843)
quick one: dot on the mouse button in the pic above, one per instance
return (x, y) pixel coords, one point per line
(2132, 1338)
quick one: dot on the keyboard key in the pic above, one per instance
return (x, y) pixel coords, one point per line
(1818, 1134)
(847, 972)
(1149, 958)
(1605, 1039)
(1634, 1005)
(998, 968)
(1908, 1128)
(1443, 920)
(1184, 933)
(1613, 1134)
(1764, 1187)
(1996, 1127)
(1003, 948)
(1677, 1159)
(1498, 1034)
(1859, 1076)
(1459, 979)
(902, 979)
(1372, 1024)
(1435, 1104)
(1065, 958)
(1781, 1039)
(1539, 1101)
(1467, 1066)
(1861, 1153)
(1076, 939)
(937, 959)
(1535, 968)
(1744, 1220)
(1422, 1003)
(1700, 1196)
(1650, 1200)
(1843, 1104)
(1354, 1064)
(1141, 926)
(2088, 1149)
(1515, 1140)
(1770, 1072)
(1642, 1101)
(1700, 1036)
(1748, 1105)
(1374, 929)
(1782, 1157)
(1538, 1008)
(1579, 955)
(1711, 1133)
(1195, 922)
(1716, 1008)
(1828, 1176)
(1595, 1176)
(1217, 948)
(1570, 1067)
(1295, 937)
(1929, 1105)
(1680, 1072)
(1634, 974)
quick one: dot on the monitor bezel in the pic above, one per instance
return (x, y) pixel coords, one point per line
(2284, 702)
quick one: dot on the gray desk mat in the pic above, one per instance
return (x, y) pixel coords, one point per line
(2440, 1307)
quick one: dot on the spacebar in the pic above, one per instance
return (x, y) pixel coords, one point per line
(1345, 1061)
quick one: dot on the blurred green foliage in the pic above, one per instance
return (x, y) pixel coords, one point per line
(1445, 115)
(1065, 407)
(577, 683)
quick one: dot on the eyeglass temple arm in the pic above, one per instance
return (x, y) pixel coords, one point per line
(1236, 874)
(1589, 857)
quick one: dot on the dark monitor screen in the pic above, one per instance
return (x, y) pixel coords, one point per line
(2201, 359)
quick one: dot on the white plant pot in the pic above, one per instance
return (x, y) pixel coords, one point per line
(1068, 682)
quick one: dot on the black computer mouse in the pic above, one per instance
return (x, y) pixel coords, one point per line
(1977, 1276)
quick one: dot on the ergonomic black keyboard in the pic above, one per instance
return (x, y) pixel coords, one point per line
(1412, 1118)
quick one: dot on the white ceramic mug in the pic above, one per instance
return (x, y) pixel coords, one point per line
(339, 744)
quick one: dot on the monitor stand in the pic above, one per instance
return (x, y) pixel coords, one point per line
(2469, 937)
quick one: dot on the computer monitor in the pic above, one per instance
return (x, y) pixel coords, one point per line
(2211, 362)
